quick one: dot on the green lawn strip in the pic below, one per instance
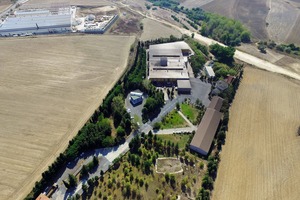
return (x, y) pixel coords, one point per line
(190, 112)
(137, 119)
(181, 139)
(173, 120)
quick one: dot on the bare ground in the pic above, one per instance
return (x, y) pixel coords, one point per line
(268, 19)
(154, 30)
(284, 61)
(251, 13)
(168, 165)
(49, 87)
(4, 4)
(260, 159)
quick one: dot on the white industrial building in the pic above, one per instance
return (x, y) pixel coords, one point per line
(168, 62)
(41, 21)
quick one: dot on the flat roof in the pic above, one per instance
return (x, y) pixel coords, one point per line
(216, 103)
(210, 71)
(172, 45)
(206, 130)
(30, 22)
(165, 53)
(168, 74)
(184, 84)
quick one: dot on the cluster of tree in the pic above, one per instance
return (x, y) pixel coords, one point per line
(170, 178)
(172, 38)
(197, 60)
(222, 54)
(89, 167)
(165, 3)
(134, 78)
(175, 18)
(222, 70)
(228, 31)
(287, 48)
(153, 105)
(91, 136)
(222, 29)
(148, 147)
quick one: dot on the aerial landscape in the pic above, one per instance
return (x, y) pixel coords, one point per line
(149, 99)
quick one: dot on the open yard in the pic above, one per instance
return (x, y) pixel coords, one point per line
(260, 159)
(168, 165)
(49, 87)
(181, 139)
(153, 30)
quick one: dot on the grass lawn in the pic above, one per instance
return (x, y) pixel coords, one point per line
(181, 139)
(137, 119)
(190, 112)
(173, 120)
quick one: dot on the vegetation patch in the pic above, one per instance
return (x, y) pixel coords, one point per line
(133, 175)
(168, 165)
(173, 120)
(181, 139)
(190, 112)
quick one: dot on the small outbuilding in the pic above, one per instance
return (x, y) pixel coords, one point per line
(209, 72)
(136, 98)
(184, 86)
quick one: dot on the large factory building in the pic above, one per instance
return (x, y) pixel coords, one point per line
(40, 21)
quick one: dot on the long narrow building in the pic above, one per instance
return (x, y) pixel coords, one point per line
(207, 128)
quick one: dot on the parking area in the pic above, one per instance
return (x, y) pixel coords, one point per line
(135, 111)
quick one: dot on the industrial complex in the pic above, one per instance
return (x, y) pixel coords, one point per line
(48, 19)
(168, 64)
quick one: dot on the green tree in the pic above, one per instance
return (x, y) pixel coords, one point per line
(223, 54)
(245, 37)
(72, 180)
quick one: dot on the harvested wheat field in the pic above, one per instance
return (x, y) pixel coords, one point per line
(49, 87)
(260, 159)
(4, 4)
(153, 30)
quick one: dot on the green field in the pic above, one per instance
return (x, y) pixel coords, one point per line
(190, 112)
(173, 120)
(181, 139)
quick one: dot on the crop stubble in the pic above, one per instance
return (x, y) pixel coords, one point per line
(49, 87)
(260, 159)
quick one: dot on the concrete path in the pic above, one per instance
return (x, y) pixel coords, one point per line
(175, 130)
(186, 119)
